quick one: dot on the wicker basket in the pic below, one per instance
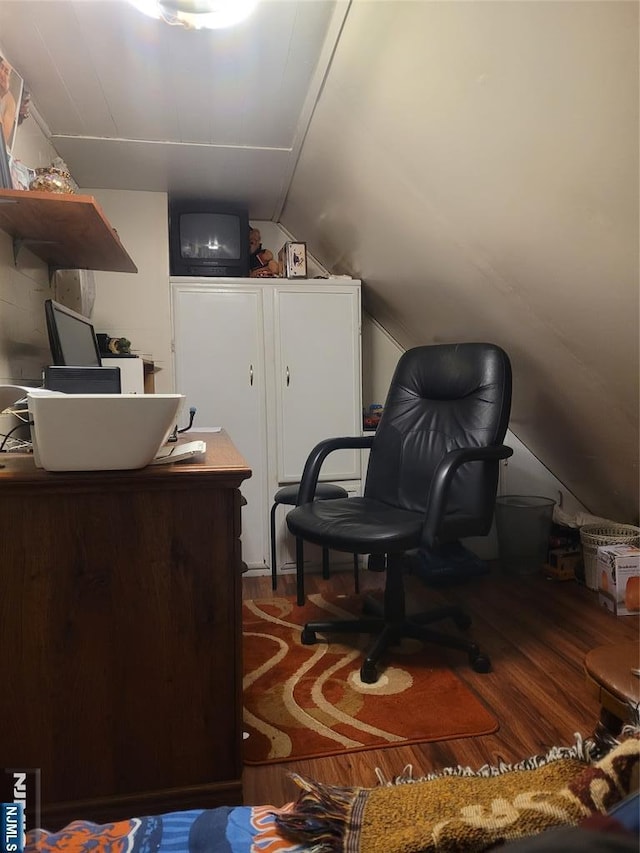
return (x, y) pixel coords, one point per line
(593, 536)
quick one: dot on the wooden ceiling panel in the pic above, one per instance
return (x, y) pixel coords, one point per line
(99, 68)
(246, 175)
(132, 103)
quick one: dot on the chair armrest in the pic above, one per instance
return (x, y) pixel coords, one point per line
(442, 478)
(317, 456)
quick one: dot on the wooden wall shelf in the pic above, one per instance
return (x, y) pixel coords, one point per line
(65, 231)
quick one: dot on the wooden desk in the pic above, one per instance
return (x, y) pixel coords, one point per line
(120, 631)
(610, 678)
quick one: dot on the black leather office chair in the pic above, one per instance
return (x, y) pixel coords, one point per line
(432, 479)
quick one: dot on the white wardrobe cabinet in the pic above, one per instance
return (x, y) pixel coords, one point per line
(277, 364)
(219, 366)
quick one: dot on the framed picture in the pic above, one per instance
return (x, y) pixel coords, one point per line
(11, 88)
(293, 260)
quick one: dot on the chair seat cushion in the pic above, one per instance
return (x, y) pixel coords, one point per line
(324, 492)
(357, 525)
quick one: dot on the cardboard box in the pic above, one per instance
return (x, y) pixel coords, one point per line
(292, 258)
(562, 563)
(618, 570)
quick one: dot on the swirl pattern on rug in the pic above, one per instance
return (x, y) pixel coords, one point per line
(306, 701)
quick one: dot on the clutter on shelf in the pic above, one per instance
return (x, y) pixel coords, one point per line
(292, 260)
(576, 542)
(113, 346)
(15, 434)
(290, 263)
(21, 175)
(371, 416)
(262, 264)
(564, 560)
(54, 178)
(597, 535)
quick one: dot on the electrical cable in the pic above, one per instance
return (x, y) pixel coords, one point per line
(8, 435)
(174, 433)
(192, 414)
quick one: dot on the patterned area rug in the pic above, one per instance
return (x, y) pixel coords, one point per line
(308, 701)
(461, 810)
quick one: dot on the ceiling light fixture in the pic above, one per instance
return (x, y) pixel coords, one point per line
(197, 14)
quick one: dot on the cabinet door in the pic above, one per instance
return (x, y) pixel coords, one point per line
(219, 365)
(317, 336)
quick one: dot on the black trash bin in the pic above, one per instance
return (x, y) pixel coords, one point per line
(523, 523)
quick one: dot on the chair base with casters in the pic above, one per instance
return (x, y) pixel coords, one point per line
(288, 495)
(390, 623)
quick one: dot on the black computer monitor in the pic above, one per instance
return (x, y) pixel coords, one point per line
(71, 337)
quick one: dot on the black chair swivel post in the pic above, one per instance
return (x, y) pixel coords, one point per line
(288, 495)
(432, 479)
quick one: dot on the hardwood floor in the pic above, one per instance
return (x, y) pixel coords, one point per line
(536, 632)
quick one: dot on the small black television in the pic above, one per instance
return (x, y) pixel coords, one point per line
(72, 338)
(208, 238)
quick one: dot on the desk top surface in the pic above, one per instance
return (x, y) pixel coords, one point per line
(611, 667)
(223, 465)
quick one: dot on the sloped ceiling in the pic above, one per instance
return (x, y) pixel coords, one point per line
(476, 164)
(132, 103)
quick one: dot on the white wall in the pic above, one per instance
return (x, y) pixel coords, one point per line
(521, 474)
(476, 165)
(24, 285)
(24, 347)
(31, 145)
(380, 354)
(136, 305)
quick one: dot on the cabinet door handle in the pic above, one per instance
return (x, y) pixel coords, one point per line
(288, 376)
(250, 374)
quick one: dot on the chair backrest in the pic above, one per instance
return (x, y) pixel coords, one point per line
(441, 398)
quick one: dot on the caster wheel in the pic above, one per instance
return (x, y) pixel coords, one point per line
(479, 662)
(308, 637)
(368, 673)
(370, 607)
(463, 622)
